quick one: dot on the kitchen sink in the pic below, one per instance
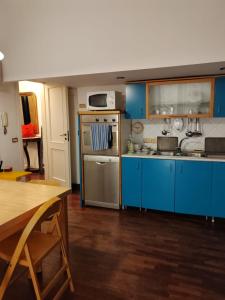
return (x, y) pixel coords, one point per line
(183, 154)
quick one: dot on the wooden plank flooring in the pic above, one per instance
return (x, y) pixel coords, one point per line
(118, 255)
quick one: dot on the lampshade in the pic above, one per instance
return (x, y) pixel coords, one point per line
(1, 56)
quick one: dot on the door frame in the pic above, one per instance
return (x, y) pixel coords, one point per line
(45, 130)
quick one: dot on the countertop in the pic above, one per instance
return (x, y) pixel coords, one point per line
(142, 155)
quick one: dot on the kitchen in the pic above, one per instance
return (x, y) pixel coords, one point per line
(156, 169)
(158, 244)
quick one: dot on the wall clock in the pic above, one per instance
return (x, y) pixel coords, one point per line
(137, 127)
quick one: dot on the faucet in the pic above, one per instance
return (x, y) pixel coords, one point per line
(180, 144)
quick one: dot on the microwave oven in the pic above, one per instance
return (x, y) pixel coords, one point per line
(104, 100)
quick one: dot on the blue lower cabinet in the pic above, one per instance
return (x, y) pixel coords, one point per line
(158, 184)
(218, 190)
(131, 181)
(193, 188)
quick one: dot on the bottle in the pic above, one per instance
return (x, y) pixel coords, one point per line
(130, 145)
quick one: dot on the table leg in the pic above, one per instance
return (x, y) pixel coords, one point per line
(64, 223)
(25, 144)
(39, 149)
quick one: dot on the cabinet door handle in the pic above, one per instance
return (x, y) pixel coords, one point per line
(181, 169)
(218, 108)
(138, 165)
(101, 163)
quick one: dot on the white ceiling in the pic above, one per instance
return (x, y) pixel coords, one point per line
(136, 75)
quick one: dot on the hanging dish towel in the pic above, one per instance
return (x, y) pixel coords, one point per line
(101, 136)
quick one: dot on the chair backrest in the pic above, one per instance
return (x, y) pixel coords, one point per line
(51, 208)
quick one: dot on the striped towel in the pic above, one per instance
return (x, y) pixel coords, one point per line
(101, 136)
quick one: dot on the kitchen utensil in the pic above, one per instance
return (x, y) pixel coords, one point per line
(171, 110)
(198, 127)
(145, 150)
(197, 131)
(166, 126)
(197, 153)
(130, 146)
(137, 147)
(189, 132)
(1, 162)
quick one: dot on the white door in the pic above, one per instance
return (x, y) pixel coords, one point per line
(57, 135)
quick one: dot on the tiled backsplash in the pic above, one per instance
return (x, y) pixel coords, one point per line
(214, 127)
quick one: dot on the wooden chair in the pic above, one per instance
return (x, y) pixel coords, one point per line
(45, 226)
(32, 246)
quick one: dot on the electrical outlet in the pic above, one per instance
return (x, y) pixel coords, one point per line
(82, 105)
(150, 140)
(15, 140)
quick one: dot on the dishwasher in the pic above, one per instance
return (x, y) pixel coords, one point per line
(101, 181)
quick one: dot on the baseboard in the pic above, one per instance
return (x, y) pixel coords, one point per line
(75, 187)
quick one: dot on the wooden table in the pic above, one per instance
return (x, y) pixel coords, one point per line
(14, 175)
(19, 201)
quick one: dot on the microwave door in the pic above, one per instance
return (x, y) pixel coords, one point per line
(98, 101)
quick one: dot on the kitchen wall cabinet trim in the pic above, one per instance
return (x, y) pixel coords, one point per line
(151, 84)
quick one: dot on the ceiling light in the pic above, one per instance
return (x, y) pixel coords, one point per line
(1, 56)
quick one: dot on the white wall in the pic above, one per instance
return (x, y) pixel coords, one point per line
(0, 71)
(11, 153)
(60, 38)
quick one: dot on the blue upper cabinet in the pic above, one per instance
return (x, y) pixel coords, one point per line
(136, 101)
(218, 190)
(158, 184)
(193, 188)
(131, 182)
(219, 102)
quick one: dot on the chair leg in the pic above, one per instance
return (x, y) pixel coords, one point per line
(64, 255)
(6, 279)
(33, 274)
(66, 262)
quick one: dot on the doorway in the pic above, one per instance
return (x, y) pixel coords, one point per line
(48, 141)
(31, 100)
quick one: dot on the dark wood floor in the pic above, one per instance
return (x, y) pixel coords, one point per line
(119, 255)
